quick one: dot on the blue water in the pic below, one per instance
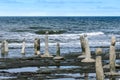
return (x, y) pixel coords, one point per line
(98, 29)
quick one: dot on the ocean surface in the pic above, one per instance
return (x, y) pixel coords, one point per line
(98, 29)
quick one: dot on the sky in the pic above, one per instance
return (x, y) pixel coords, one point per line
(59, 7)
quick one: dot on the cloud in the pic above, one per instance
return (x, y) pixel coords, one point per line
(74, 1)
(24, 1)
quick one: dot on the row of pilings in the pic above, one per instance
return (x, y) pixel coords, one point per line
(86, 54)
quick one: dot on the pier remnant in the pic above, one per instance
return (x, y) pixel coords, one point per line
(58, 57)
(82, 41)
(37, 46)
(46, 54)
(87, 52)
(23, 47)
(98, 65)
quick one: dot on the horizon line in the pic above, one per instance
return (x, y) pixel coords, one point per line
(61, 16)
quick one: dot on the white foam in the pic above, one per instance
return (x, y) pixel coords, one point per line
(94, 33)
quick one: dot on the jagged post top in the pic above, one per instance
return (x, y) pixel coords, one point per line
(98, 51)
(85, 35)
(113, 40)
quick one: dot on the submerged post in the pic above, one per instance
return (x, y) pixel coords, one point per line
(87, 52)
(82, 41)
(98, 65)
(37, 46)
(47, 54)
(58, 57)
(23, 47)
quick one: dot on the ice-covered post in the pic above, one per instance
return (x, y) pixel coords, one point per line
(98, 65)
(23, 47)
(37, 46)
(82, 41)
(112, 54)
(87, 52)
(47, 54)
(58, 57)
(4, 47)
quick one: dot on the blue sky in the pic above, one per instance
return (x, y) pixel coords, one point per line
(59, 7)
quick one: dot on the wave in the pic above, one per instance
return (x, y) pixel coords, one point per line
(93, 33)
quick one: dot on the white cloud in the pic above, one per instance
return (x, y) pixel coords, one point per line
(25, 1)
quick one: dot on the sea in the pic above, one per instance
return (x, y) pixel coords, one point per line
(98, 30)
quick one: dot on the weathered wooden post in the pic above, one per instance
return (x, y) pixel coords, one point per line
(82, 41)
(37, 46)
(58, 57)
(47, 54)
(4, 48)
(87, 52)
(98, 65)
(23, 47)
(112, 57)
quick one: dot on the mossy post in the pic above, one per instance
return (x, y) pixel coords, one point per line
(82, 41)
(87, 52)
(37, 46)
(98, 65)
(58, 57)
(112, 54)
(47, 54)
(23, 47)
(4, 47)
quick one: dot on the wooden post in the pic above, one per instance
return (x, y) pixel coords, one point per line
(58, 57)
(46, 44)
(112, 54)
(58, 49)
(112, 57)
(82, 41)
(98, 65)
(23, 47)
(4, 47)
(87, 52)
(37, 46)
(47, 54)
